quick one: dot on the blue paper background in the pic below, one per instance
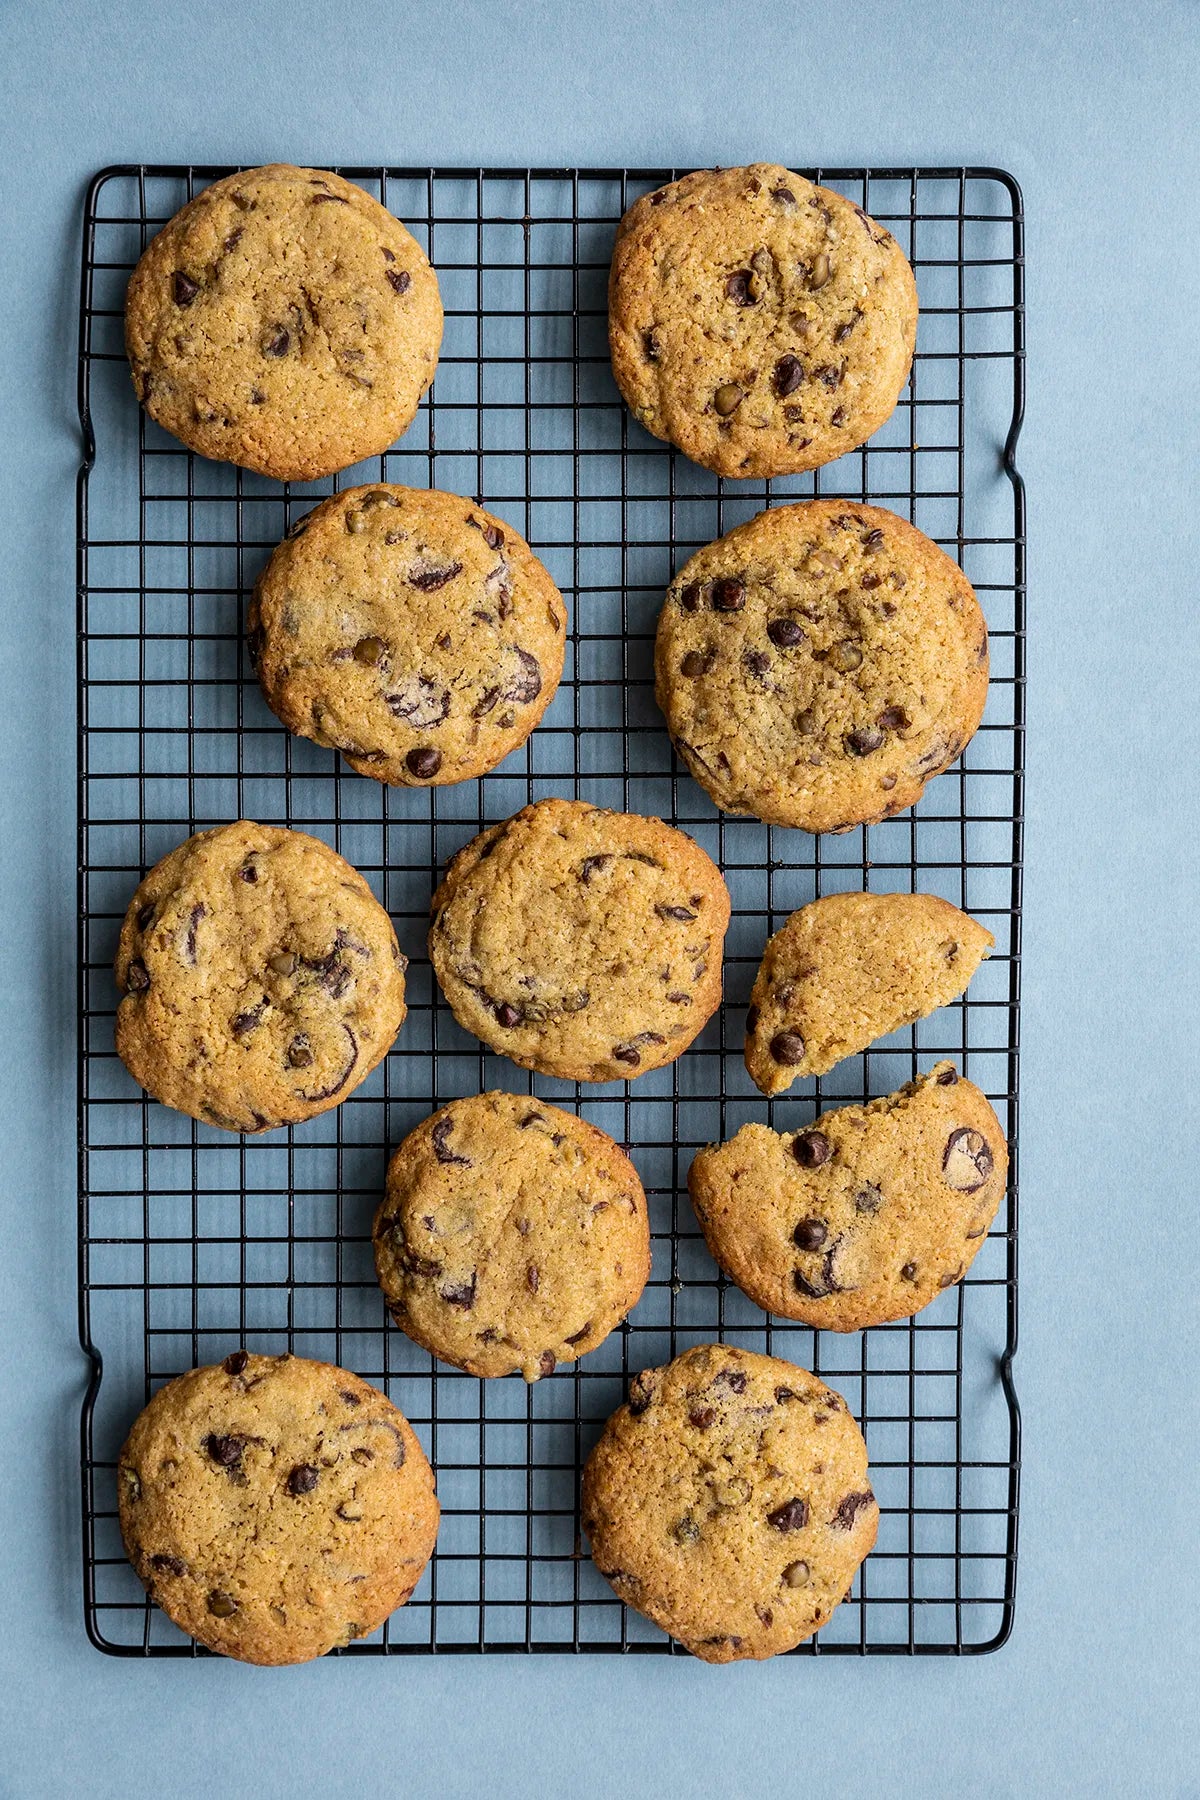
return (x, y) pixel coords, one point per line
(1092, 107)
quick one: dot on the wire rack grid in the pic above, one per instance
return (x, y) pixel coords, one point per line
(193, 1242)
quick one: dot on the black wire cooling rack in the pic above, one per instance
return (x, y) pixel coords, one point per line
(193, 1242)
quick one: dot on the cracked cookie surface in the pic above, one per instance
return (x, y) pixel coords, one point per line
(819, 664)
(729, 1500)
(762, 324)
(410, 630)
(285, 321)
(848, 969)
(864, 1216)
(514, 1236)
(581, 942)
(261, 979)
(275, 1508)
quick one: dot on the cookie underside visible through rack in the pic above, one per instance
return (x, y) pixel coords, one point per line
(193, 1242)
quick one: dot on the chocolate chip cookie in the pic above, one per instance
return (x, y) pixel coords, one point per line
(848, 969)
(730, 1502)
(261, 979)
(410, 630)
(581, 942)
(284, 320)
(513, 1236)
(863, 1217)
(275, 1508)
(819, 664)
(762, 324)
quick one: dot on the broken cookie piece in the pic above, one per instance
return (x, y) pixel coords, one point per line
(865, 1216)
(848, 969)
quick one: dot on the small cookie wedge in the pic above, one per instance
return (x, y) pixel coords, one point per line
(848, 969)
(866, 1215)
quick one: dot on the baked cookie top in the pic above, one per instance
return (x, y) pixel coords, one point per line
(819, 664)
(729, 1501)
(275, 1508)
(762, 324)
(848, 969)
(865, 1216)
(285, 321)
(410, 630)
(261, 978)
(513, 1236)
(581, 942)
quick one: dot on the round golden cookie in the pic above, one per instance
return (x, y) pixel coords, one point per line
(863, 1217)
(730, 1502)
(410, 630)
(261, 978)
(819, 664)
(848, 969)
(285, 321)
(762, 324)
(275, 1508)
(513, 1236)
(581, 942)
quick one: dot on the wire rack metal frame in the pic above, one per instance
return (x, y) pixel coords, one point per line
(193, 1242)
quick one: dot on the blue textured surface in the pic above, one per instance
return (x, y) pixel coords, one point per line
(1092, 111)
